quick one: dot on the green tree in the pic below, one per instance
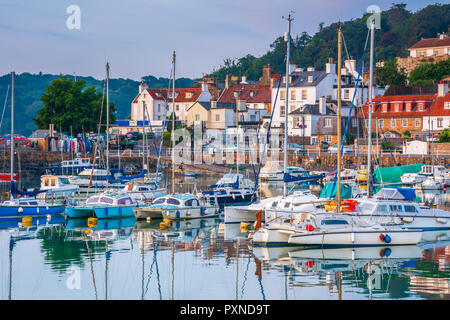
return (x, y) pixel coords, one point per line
(428, 72)
(445, 136)
(390, 74)
(71, 106)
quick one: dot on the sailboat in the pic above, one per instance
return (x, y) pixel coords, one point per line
(105, 205)
(341, 228)
(26, 204)
(176, 205)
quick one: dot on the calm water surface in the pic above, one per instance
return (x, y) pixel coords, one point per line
(205, 259)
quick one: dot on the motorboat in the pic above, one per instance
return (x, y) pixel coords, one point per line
(231, 190)
(330, 229)
(57, 187)
(92, 180)
(74, 167)
(273, 171)
(106, 205)
(177, 206)
(394, 206)
(143, 192)
(29, 207)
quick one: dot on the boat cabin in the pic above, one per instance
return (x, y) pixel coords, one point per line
(182, 200)
(110, 200)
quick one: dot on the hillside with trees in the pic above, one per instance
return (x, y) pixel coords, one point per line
(400, 29)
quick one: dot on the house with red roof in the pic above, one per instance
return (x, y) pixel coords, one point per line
(416, 113)
(432, 47)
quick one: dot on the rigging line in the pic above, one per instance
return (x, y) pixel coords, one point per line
(349, 115)
(245, 277)
(92, 269)
(4, 107)
(158, 151)
(98, 137)
(151, 268)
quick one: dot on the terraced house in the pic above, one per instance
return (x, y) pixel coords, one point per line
(419, 114)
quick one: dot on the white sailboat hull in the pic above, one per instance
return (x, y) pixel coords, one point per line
(356, 237)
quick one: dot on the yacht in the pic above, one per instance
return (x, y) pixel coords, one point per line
(73, 167)
(391, 206)
(107, 205)
(273, 171)
(29, 207)
(330, 229)
(57, 187)
(177, 206)
(98, 181)
(231, 190)
(143, 192)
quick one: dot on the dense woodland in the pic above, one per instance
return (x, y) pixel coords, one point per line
(400, 29)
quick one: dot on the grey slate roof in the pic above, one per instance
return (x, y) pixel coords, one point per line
(40, 134)
(300, 78)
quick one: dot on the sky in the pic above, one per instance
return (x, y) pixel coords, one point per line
(137, 37)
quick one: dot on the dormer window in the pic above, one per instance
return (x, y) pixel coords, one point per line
(158, 94)
(408, 107)
(188, 94)
(237, 93)
(447, 105)
(420, 106)
(384, 107)
(396, 107)
(310, 79)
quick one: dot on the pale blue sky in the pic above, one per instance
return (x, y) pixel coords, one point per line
(137, 37)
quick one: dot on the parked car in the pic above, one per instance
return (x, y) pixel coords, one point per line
(134, 135)
(296, 148)
(345, 150)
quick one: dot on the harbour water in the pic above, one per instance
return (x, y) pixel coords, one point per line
(206, 259)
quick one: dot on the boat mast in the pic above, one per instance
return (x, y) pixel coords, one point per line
(339, 137)
(369, 134)
(172, 135)
(143, 136)
(12, 133)
(288, 40)
(107, 123)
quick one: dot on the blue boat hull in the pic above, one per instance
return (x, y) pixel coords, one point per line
(13, 211)
(100, 212)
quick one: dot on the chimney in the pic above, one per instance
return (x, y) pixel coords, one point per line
(350, 65)
(204, 86)
(442, 36)
(442, 88)
(292, 67)
(322, 105)
(330, 66)
(244, 79)
(227, 81)
(310, 68)
(142, 86)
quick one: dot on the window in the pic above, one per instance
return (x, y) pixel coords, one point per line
(282, 110)
(380, 123)
(177, 107)
(404, 123)
(417, 123)
(382, 208)
(287, 204)
(397, 108)
(408, 107)
(410, 209)
(159, 201)
(346, 94)
(124, 201)
(447, 105)
(333, 222)
(420, 106)
(293, 97)
(197, 117)
(274, 204)
(92, 200)
(217, 117)
(384, 107)
(159, 108)
(188, 94)
(439, 123)
(392, 123)
(304, 94)
(283, 95)
(173, 201)
(107, 200)
(327, 138)
(396, 208)
(328, 123)
(354, 122)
